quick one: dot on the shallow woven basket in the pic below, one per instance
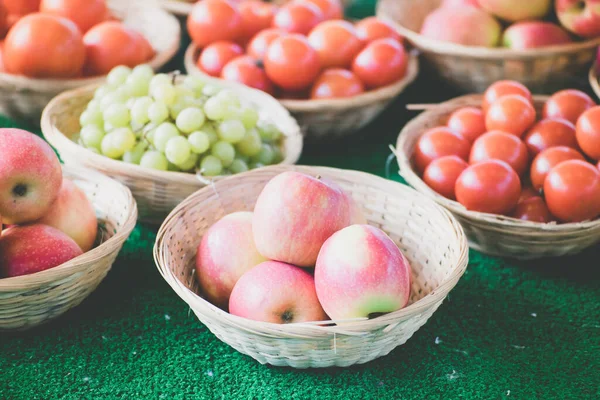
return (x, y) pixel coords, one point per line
(594, 81)
(490, 233)
(473, 69)
(24, 98)
(30, 300)
(335, 118)
(156, 192)
(184, 7)
(429, 236)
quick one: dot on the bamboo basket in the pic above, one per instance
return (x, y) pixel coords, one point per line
(184, 7)
(30, 300)
(594, 80)
(156, 192)
(428, 235)
(493, 234)
(473, 69)
(24, 98)
(332, 118)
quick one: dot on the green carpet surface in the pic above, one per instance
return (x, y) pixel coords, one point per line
(522, 330)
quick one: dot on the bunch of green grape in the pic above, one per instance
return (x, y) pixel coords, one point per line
(151, 120)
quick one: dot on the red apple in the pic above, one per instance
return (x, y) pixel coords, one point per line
(517, 10)
(581, 17)
(360, 271)
(33, 248)
(276, 292)
(30, 176)
(295, 214)
(534, 34)
(225, 253)
(460, 3)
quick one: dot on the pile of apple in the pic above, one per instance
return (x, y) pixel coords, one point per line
(504, 159)
(66, 39)
(304, 254)
(50, 220)
(514, 24)
(303, 50)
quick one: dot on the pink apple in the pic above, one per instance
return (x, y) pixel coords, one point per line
(295, 213)
(517, 10)
(468, 26)
(33, 248)
(581, 17)
(30, 176)
(460, 3)
(534, 34)
(360, 272)
(226, 252)
(276, 292)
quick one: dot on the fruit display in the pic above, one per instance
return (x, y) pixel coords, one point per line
(51, 221)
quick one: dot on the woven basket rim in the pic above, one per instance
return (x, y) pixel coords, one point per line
(492, 221)
(594, 82)
(177, 7)
(79, 264)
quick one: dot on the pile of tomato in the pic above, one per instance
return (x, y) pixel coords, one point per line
(66, 39)
(299, 51)
(501, 158)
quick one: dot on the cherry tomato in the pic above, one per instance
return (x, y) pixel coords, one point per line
(292, 63)
(527, 192)
(331, 9)
(213, 20)
(372, 28)
(568, 104)
(110, 44)
(245, 70)
(498, 145)
(21, 7)
(550, 132)
(298, 17)
(439, 142)
(259, 44)
(336, 83)
(533, 209)
(441, 175)
(44, 46)
(548, 159)
(468, 121)
(337, 43)
(85, 13)
(256, 17)
(381, 63)
(503, 88)
(216, 55)
(490, 186)
(572, 191)
(588, 132)
(511, 113)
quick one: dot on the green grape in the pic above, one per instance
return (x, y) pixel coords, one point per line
(180, 104)
(249, 117)
(108, 127)
(178, 150)
(91, 136)
(117, 115)
(172, 167)
(277, 155)
(94, 104)
(143, 71)
(210, 90)
(112, 98)
(158, 112)
(134, 156)
(118, 75)
(148, 132)
(211, 132)
(108, 147)
(123, 139)
(155, 160)
(184, 91)
(199, 142)
(163, 133)
(139, 110)
(190, 119)
(265, 156)
(242, 157)
(229, 97)
(215, 108)
(269, 132)
(137, 85)
(238, 166)
(159, 80)
(164, 93)
(101, 92)
(190, 163)
(194, 83)
(91, 116)
(211, 166)
(231, 131)
(255, 165)
(250, 145)
(224, 151)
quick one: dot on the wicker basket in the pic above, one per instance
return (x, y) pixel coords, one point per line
(156, 192)
(184, 7)
(473, 69)
(490, 233)
(30, 300)
(335, 118)
(429, 236)
(24, 98)
(594, 80)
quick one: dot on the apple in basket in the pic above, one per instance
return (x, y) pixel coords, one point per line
(532, 34)
(517, 10)
(581, 17)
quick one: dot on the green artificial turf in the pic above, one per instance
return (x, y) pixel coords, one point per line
(522, 330)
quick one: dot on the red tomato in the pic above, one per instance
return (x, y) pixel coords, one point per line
(490, 186)
(503, 88)
(85, 13)
(533, 209)
(245, 70)
(259, 44)
(337, 43)
(331, 9)
(568, 104)
(215, 56)
(441, 175)
(498, 145)
(511, 113)
(528, 192)
(588, 132)
(372, 28)
(256, 16)
(298, 17)
(381, 63)
(336, 83)
(572, 191)
(468, 121)
(21, 7)
(213, 20)
(44, 46)
(550, 133)
(110, 44)
(292, 63)
(548, 159)
(439, 142)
